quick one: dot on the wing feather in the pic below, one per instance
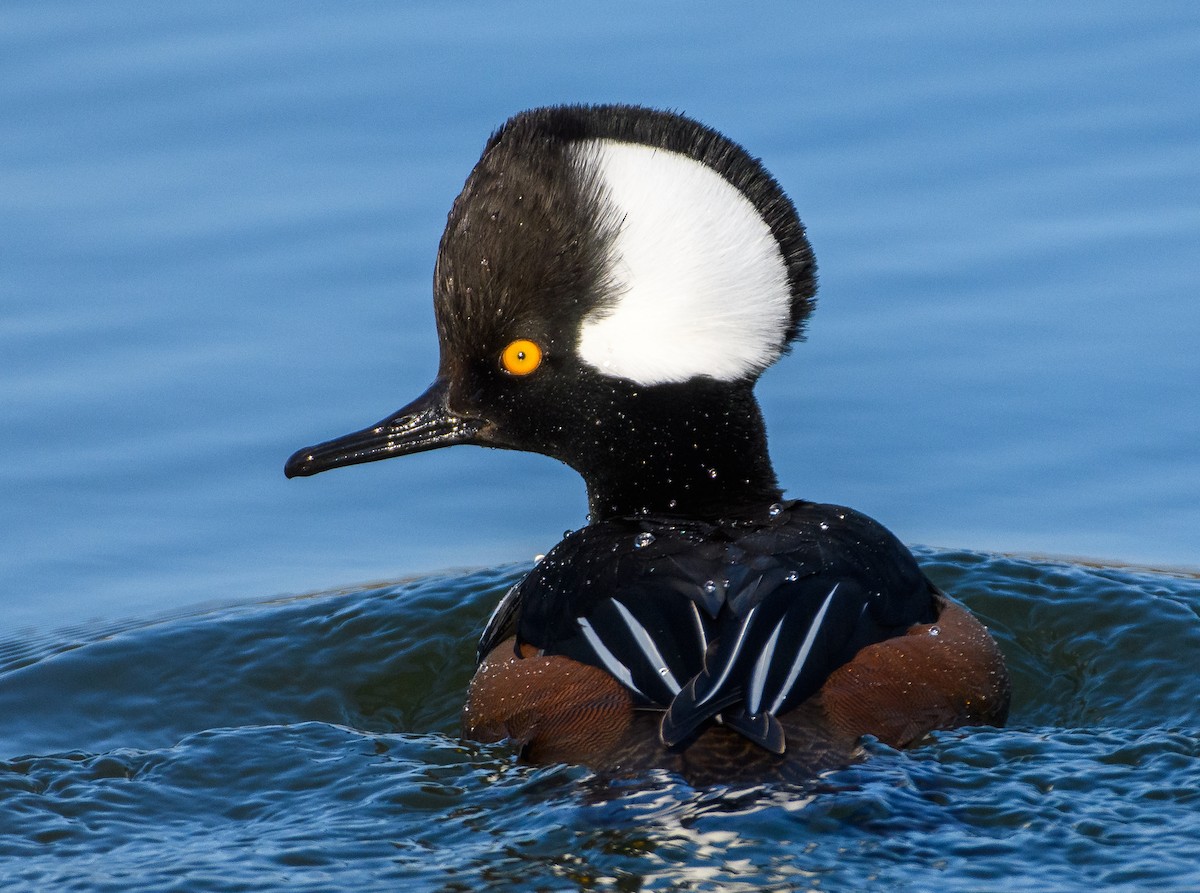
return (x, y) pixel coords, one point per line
(721, 623)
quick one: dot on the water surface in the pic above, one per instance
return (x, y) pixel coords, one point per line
(217, 234)
(310, 744)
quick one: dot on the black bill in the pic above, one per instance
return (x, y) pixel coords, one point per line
(425, 424)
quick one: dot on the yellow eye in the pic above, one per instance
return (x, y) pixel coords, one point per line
(521, 357)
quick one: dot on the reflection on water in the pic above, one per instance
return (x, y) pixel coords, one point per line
(317, 735)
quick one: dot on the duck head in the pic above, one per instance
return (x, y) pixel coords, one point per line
(611, 282)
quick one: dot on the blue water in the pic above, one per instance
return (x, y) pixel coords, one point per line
(308, 743)
(217, 233)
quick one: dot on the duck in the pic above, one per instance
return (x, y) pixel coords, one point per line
(611, 283)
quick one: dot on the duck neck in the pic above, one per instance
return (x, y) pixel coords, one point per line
(697, 450)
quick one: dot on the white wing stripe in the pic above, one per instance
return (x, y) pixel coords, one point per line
(700, 628)
(759, 678)
(805, 647)
(737, 646)
(614, 666)
(500, 606)
(649, 649)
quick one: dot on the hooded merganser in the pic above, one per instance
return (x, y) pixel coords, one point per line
(611, 282)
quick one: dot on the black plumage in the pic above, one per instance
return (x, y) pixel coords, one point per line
(727, 608)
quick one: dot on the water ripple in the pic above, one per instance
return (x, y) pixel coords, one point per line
(310, 742)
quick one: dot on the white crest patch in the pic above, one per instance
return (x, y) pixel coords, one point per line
(702, 286)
